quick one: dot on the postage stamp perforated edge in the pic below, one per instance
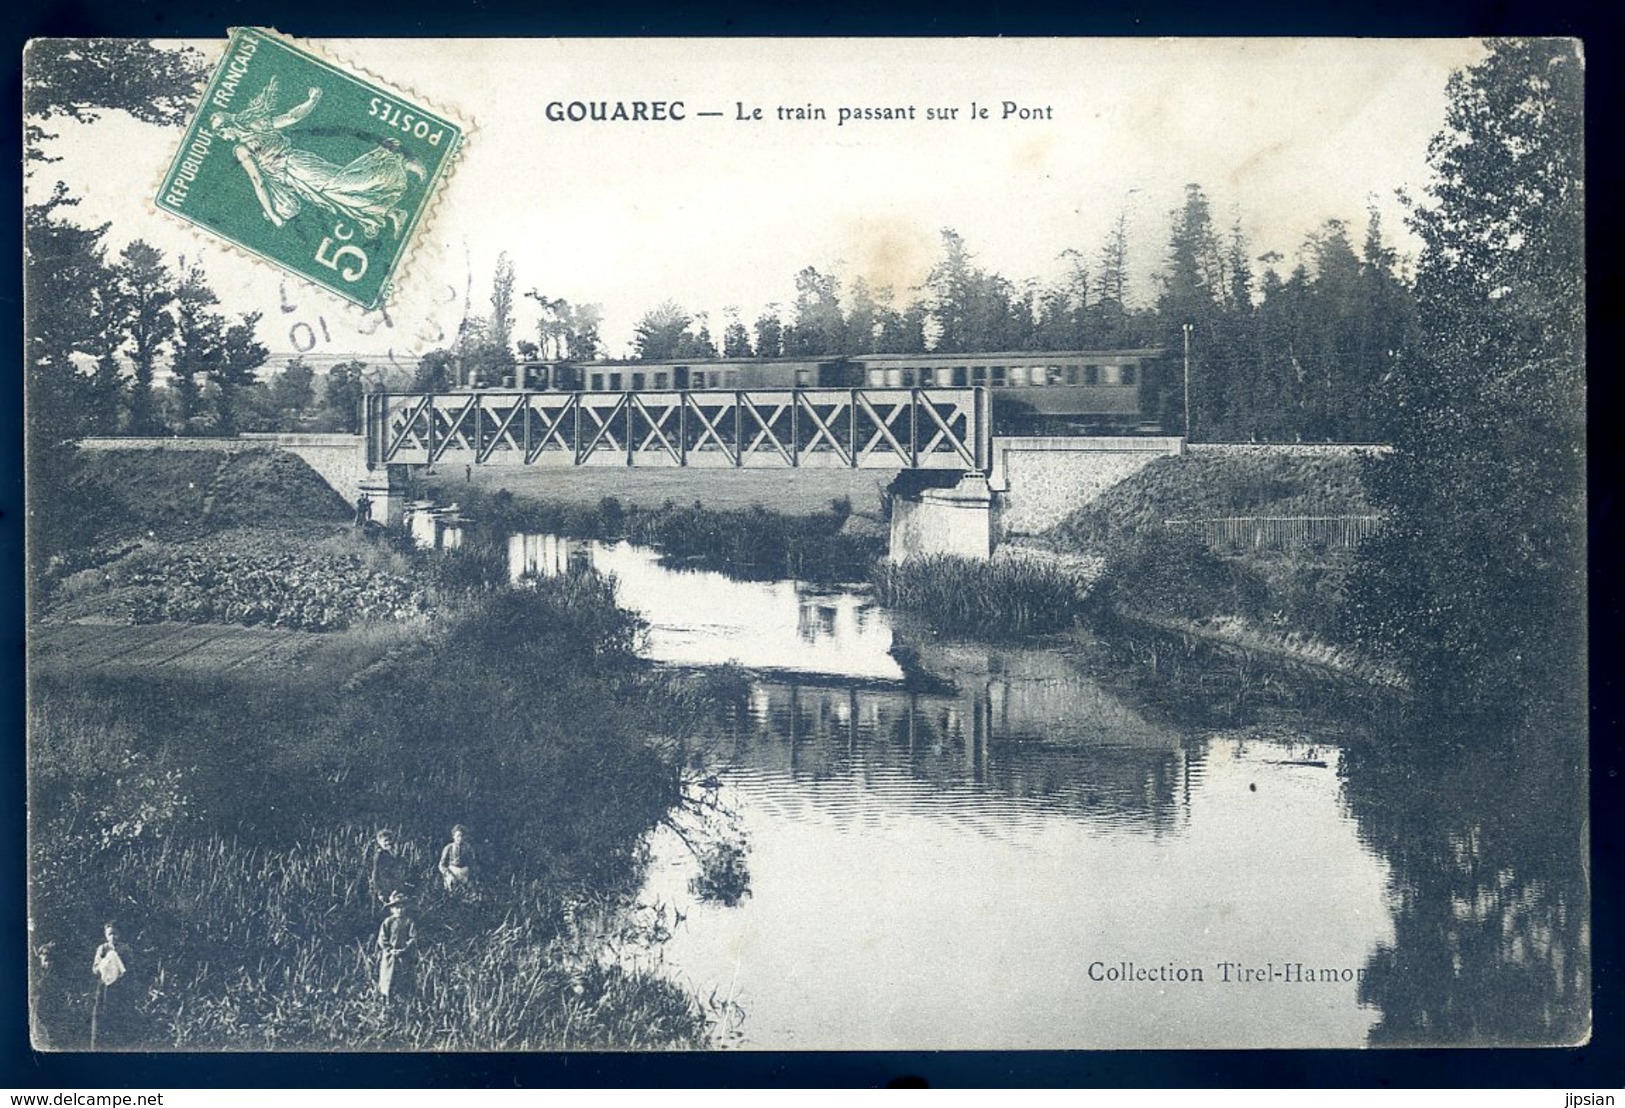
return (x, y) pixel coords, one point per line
(415, 234)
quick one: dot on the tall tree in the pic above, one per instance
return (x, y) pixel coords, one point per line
(291, 393)
(145, 293)
(236, 371)
(551, 324)
(1112, 286)
(1192, 296)
(436, 372)
(900, 332)
(951, 284)
(66, 282)
(735, 339)
(769, 333)
(198, 342)
(1476, 585)
(342, 395)
(660, 331)
(581, 338)
(820, 327)
(692, 345)
(499, 334)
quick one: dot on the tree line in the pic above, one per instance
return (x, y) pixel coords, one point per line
(1281, 357)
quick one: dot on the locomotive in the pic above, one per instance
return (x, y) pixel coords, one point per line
(1033, 391)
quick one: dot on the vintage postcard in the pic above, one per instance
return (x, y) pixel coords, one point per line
(544, 545)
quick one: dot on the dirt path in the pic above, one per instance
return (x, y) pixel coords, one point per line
(84, 648)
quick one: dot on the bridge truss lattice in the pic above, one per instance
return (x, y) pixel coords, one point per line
(948, 429)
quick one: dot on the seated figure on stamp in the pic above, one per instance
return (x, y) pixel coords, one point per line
(286, 178)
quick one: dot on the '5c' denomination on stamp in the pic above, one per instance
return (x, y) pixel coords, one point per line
(316, 169)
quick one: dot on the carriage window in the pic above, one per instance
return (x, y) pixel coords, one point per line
(597, 382)
(638, 381)
(877, 378)
(662, 379)
(998, 376)
(928, 376)
(804, 377)
(1126, 375)
(908, 377)
(1091, 375)
(978, 375)
(1053, 375)
(697, 379)
(615, 382)
(1071, 374)
(961, 375)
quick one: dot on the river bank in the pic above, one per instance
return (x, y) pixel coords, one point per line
(212, 785)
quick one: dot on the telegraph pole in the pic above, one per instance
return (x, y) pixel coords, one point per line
(1187, 329)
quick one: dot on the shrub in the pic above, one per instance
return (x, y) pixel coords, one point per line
(1179, 577)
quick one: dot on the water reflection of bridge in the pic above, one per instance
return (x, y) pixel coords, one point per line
(976, 752)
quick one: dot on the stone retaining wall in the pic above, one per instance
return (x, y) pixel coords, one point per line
(1043, 480)
(337, 459)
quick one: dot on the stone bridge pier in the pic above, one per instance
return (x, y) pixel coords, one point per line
(1034, 484)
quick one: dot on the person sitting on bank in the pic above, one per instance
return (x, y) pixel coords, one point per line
(397, 940)
(389, 870)
(457, 864)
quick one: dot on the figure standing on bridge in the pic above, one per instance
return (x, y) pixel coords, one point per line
(457, 864)
(363, 509)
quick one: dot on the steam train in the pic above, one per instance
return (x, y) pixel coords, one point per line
(1094, 391)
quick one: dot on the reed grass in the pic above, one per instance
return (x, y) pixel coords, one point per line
(1002, 598)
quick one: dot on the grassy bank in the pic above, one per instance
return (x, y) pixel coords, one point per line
(1291, 600)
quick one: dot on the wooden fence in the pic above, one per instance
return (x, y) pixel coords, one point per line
(1278, 532)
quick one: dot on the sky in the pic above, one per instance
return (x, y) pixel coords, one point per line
(722, 212)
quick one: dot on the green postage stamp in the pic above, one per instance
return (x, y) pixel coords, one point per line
(316, 169)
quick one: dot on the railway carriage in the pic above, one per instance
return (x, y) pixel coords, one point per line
(1035, 390)
(1093, 391)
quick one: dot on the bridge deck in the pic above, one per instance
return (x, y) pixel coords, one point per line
(947, 429)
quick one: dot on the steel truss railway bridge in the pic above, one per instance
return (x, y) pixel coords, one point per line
(901, 429)
(938, 440)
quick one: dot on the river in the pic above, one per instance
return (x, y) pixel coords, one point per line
(1020, 858)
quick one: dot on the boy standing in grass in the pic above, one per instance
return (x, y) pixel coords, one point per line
(397, 938)
(107, 1015)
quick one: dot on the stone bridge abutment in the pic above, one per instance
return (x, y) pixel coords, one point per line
(1034, 483)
